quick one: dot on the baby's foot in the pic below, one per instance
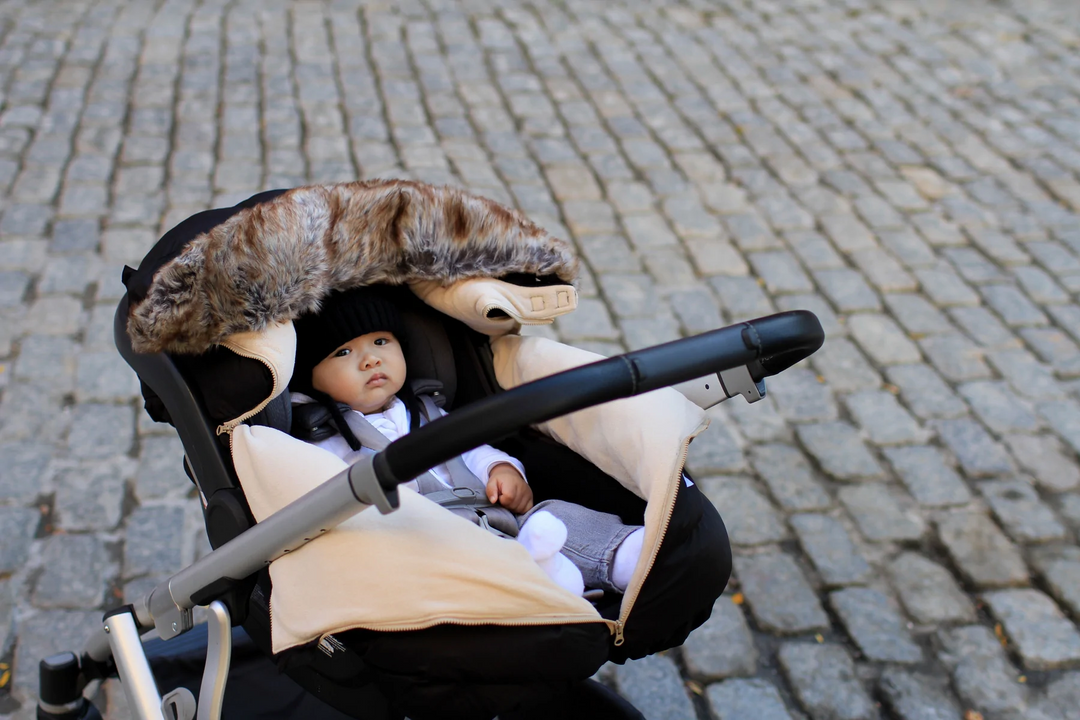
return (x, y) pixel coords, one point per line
(543, 535)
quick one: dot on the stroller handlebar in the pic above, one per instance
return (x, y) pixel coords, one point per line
(766, 346)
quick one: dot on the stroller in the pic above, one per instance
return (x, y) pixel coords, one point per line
(411, 625)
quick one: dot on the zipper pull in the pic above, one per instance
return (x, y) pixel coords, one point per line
(225, 429)
(619, 628)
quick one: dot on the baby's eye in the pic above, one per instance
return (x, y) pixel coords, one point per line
(342, 352)
(381, 341)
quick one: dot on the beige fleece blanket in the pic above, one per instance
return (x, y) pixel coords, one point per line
(422, 565)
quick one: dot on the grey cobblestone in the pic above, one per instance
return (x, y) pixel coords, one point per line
(746, 700)
(722, 647)
(882, 514)
(830, 549)
(778, 593)
(1025, 517)
(825, 682)
(980, 671)
(982, 553)
(874, 625)
(842, 454)
(928, 592)
(751, 518)
(1044, 638)
(74, 570)
(910, 165)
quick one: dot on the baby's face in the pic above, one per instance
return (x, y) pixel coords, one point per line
(365, 372)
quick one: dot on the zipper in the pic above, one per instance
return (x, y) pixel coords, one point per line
(227, 428)
(630, 597)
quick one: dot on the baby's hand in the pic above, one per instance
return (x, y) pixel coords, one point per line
(506, 487)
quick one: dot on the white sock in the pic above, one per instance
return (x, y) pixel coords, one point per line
(626, 558)
(543, 536)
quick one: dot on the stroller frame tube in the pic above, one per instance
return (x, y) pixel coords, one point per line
(131, 663)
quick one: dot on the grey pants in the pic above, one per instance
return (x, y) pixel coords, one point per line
(592, 538)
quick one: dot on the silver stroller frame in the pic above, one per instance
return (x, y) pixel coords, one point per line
(708, 368)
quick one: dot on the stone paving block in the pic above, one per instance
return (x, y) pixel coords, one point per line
(847, 232)
(973, 266)
(1039, 285)
(998, 408)
(830, 549)
(840, 451)
(101, 431)
(944, 287)
(759, 422)
(90, 496)
(722, 647)
(746, 700)
(924, 392)
(160, 472)
(814, 250)
(714, 257)
(75, 568)
(882, 514)
(800, 397)
(629, 295)
(1059, 567)
(29, 413)
(1061, 698)
(955, 357)
(1055, 348)
(1043, 636)
(917, 314)
(825, 681)
(715, 450)
(983, 327)
(980, 671)
(23, 469)
(749, 231)
(847, 290)
(874, 625)
(652, 684)
(1042, 456)
(780, 598)
(789, 478)
(155, 541)
(649, 232)
(45, 633)
(1027, 376)
(1013, 306)
(980, 551)
(909, 248)
(978, 453)
(1064, 419)
(884, 272)
(1020, 510)
(883, 419)
(881, 339)
(591, 321)
(741, 298)
(927, 476)
(17, 527)
(45, 358)
(915, 696)
(928, 592)
(844, 368)
(749, 517)
(781, 272)
(13, 288)
(696, 309)
(104, 376)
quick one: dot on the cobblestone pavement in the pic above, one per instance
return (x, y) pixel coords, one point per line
(904, 507)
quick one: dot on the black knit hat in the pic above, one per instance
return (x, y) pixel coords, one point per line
(342, 317)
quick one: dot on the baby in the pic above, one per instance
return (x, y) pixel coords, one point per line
(350, 359)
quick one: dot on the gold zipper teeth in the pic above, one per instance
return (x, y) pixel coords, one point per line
(629, 599)
(227, 428)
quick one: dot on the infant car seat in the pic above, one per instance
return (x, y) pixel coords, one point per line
(447, 669)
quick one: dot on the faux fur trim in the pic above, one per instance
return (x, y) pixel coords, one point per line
(274, 261)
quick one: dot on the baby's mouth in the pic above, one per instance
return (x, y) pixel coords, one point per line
(377, 380)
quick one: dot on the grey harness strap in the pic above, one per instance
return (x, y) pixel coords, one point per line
(467, 497)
